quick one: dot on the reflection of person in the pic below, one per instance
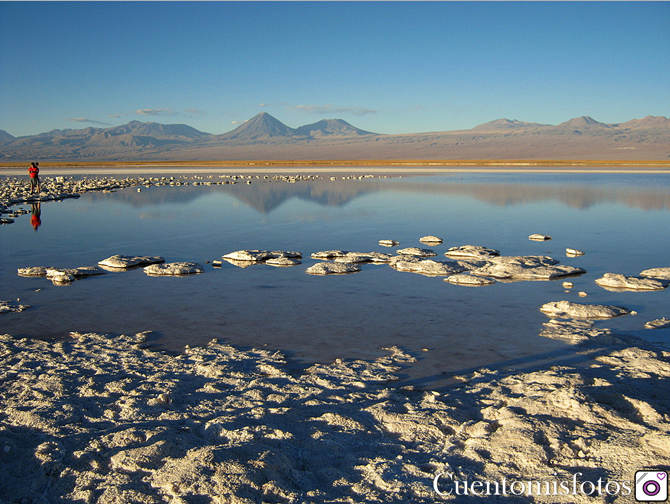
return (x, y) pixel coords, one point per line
(36, 219)
(34, 172)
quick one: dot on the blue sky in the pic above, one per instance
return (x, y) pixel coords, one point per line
(387, 67)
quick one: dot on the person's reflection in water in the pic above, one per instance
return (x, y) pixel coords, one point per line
(36, 219)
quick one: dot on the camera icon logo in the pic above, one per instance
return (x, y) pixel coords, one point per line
(651, 486)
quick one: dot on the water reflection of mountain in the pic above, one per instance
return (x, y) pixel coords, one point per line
(267, 196)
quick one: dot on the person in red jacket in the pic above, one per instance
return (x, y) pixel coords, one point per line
(34, 172)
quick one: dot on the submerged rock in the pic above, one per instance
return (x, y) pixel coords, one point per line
(117, 262)
(174, 269)
(416, 252)
(33, 271)
(661, 323)
(388, 243)
(10, 307)
(332, 268)
(469, 280)
(427, 267)
(539, 237)
(430, 239)
(621, 282)
(525, 268)
(577, 310)
(660, 273)
(472, 251)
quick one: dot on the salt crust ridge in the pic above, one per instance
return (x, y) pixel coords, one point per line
(104, 419)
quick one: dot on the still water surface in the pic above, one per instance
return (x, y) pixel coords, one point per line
(620, 221)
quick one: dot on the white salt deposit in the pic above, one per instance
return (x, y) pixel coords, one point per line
(332, 268)
(127, 261)
(660, 273)
(416, 252)
(174, 269)
(577, 310)
(621, 282)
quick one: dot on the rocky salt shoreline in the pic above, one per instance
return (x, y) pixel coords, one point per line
(105, 419)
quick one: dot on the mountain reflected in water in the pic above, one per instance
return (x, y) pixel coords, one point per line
(264, 196)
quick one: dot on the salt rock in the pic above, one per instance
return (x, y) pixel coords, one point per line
(361, 257)
(539, 237)
(570, 252)
(416, 252)
(332, 268)
(9, 307)
(61, 278)
(619, 281)
(469, 280)
(431, 239)
(426, 266)
(525, 268)
(329, 254)
(174, 269)
(660, 273)
(84, 271)
(261, 255)
(282, 261)
(577, 310)
(388, 243)
(33, 271)
(472, 251)
(661, 323)
(126, 261)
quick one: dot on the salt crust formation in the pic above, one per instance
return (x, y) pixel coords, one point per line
(430, 239)
(539, 237)
(122, 262)
(261, 255)
(104, 419)
(416, 252)
(617, 281)
(472, 251)
(661, 323)
(174, 269)
(660, 273)
(582, 311)
(11, 307)
(332, 268)
(570, 252)
(388, 243)
(469, 280)
(427, 267)
(525, 268)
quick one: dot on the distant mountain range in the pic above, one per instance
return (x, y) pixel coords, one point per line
(265, 137)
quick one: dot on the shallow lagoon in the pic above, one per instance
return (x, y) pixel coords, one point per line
(620, 221)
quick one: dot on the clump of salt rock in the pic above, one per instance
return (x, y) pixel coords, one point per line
(332, 268)
(618, 281)
(578, 310)
(329, 254)
(469, 280)
(431, 240)
(472, 251)
(261, 255)
(427, 267)
(525, 268)
(661, 323)
(416, 252)
(10, 307)
(539, 237)
(122, 262)
(659, 273)
(174, 269)
(388, 243)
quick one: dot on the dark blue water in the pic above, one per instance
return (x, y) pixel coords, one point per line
(620, 221)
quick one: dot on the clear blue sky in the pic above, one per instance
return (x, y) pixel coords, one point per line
(387, 67)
